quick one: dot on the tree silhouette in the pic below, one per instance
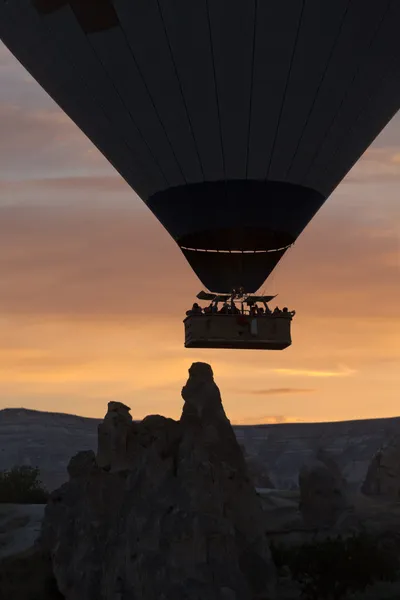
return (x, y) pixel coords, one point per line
(21, 485)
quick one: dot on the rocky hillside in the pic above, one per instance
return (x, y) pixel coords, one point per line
(48, 440)
(285, 448)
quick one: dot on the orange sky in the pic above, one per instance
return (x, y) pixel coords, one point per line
(87, 312)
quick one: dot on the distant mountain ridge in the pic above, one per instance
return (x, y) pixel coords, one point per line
(48, 440)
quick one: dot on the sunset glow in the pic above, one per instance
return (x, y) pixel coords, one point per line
(93, 290)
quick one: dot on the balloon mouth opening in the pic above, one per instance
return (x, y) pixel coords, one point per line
(222, 271)
(236, 251)
(237, 239)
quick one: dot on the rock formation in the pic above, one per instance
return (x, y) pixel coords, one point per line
(113, 435)
(322, 492)
(329, 461)
(383, 475)
(166, 513)
(257, 470)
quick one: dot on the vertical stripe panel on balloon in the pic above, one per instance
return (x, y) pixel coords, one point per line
(368, 125)
(144, 28)
(364, 87)
(232, 27)
(320, 25)
(187, 29)
(357, 33)
(275, 34)
(105, 111)
(116, 57)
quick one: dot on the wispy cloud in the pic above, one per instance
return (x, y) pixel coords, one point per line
(339, 372)
(36, 142)
(276, 391)
(267, 420)
(95, 183)
(377, 164)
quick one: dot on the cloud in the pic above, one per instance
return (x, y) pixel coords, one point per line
(82, 184)
(346, 262)
(15, 82)
(72, 261)
(41, 141)
(377, 164)
(81, 258)
(87, 192)
(340, 372)
(276, 391)
(267, 420)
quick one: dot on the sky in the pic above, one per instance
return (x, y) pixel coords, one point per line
(93, 291)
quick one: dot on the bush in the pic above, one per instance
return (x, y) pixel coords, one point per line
(332, 568)
(21, 485)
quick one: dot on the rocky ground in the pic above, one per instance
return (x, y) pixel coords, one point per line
(284, 522)
(19, 527)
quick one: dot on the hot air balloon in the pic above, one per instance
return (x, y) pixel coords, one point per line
(233, 120)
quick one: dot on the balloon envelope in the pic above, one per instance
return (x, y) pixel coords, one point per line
(233, 120)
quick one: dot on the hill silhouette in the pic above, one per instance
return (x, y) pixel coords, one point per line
(48, 440)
